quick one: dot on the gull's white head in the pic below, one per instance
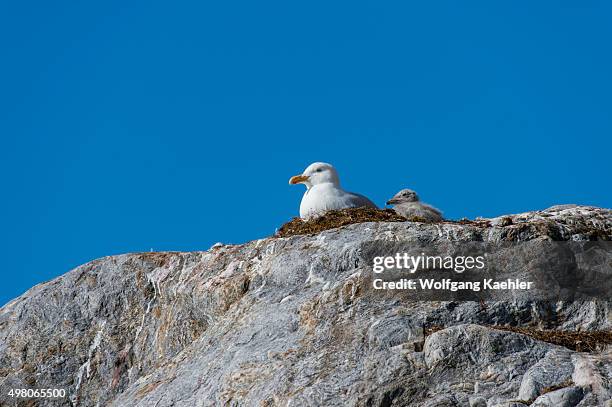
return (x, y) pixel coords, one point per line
(317, 173)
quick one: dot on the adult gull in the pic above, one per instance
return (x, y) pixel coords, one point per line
(323, 192)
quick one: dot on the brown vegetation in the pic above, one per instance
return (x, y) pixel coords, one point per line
(336, 219)
(580, 341)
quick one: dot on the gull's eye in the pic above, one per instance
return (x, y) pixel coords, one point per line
(319, 169)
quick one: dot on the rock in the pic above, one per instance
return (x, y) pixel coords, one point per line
(566, 397)
(216, 246)
(478, 402)
(293, 321)
(443, 400)
(554, 368)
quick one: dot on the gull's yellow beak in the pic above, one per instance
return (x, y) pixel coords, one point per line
(298, 179)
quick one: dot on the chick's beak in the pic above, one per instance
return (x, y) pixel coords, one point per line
(390, 202)
(298, 179)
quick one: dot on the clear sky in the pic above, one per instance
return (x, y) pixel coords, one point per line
(175, 125)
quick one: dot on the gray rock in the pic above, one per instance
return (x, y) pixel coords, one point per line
(292, 321)
(554, 368)
(566, 397)
(478, 402)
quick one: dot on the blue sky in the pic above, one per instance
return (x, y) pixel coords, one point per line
(176, 125)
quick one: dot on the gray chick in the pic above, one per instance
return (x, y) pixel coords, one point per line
(408, 205)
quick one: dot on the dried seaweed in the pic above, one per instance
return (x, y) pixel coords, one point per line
(579, 341)
(557, 386)
(336, 219)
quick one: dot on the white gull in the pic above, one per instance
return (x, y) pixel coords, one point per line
(323, 192)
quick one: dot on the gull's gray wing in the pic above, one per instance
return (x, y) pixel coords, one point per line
(358, 200)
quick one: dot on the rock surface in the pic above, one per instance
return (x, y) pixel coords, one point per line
(289, 321)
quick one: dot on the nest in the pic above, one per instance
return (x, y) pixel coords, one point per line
(337, 218)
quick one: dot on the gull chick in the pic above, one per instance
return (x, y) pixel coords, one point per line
(408, 205)
(323, 192)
